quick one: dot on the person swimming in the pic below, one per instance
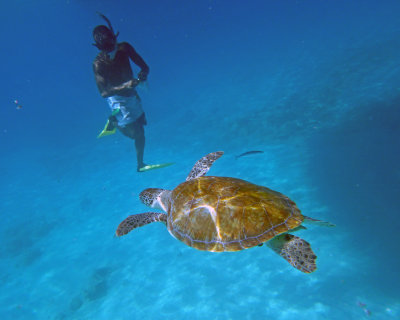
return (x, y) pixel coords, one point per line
(116, 83)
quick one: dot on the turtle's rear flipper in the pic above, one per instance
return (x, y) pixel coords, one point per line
(318, 222)
(295, 250)
(139, 220)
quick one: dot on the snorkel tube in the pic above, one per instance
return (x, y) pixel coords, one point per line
(104, 37)
(109, 24)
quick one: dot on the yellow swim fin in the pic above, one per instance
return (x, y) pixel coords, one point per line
(108, 129)
(155, 166)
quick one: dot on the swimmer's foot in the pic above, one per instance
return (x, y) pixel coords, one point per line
(141, 168)
(109, 128)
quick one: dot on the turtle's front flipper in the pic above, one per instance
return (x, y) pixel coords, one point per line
(295, 250)
(202, 166)
(139, 220)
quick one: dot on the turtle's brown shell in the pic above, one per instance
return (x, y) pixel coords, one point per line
(228, 214)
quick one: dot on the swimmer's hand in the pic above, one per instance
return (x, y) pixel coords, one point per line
(142, 76)
(133, 83)
(119, 89)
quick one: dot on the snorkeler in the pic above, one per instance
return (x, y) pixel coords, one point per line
(116, 83)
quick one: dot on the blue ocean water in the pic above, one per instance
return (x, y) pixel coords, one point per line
(313, 84)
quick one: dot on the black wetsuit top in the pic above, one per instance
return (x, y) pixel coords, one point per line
(111, 73)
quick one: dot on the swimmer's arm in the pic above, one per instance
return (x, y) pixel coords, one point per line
(126, 85)
(138, 60)
(105, 89)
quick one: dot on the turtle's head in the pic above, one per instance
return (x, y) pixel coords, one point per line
(154, 198)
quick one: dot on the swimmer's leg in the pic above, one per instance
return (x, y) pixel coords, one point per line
(135, 131)
(139, 145)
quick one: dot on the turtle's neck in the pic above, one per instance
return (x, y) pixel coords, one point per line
(163, 201)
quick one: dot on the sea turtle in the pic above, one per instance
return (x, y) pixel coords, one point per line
(227, 214)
